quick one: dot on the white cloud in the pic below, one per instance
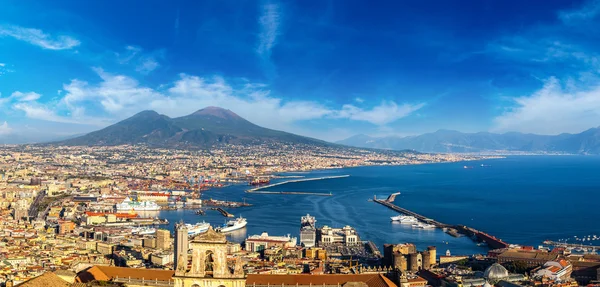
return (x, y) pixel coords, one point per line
(359, 100)
(269, 21)
(40, 112)
(147, 65)
(553, 110)
(39, 38)
(4, 69)
(5, 129)
(143, 62)
(119, 96)
(25, 97)
(20, 97)
(382, 114)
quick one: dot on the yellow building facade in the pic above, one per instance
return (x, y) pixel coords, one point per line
(209, 266)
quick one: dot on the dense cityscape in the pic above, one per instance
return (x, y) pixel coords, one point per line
(299, 143)
(82, 215)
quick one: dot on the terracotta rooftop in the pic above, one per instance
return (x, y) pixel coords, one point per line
(372, 280)
(47, 279)
(106, 273)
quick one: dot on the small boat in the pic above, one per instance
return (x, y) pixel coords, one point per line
(200, 212)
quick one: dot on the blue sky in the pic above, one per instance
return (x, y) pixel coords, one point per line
(327, 69)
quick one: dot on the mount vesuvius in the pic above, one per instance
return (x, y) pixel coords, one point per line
(204, 128)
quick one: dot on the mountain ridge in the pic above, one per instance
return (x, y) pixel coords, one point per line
(450, 141)
(204, 128)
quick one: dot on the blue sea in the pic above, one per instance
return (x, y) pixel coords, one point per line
(521, 199)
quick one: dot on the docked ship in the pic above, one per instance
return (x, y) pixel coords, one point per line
(197, 228)
(232, 225)
(308, 231)
(260, 181)
(405, 219)
(423, 226)
(129, 204)
(143, 230)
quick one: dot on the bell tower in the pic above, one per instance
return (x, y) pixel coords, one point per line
(209, 264)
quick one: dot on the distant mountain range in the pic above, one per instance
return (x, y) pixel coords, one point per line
(447, 141)
(207, 127)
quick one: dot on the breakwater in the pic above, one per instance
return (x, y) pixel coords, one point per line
(492, 241)
(261, 189)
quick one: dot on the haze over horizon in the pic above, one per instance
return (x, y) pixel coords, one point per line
(324, 69)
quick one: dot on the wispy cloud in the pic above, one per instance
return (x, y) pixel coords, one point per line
(4, 69)
(39, 38)
(20, 97)
(25, 97)
(382, 114)
(269, 22)
(144, 62)
(147, 65)
(587, 12)
(5, 129)
(119, 96)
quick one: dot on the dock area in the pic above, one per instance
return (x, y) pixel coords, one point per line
(571, 245)
(453, 230)
(259, 189)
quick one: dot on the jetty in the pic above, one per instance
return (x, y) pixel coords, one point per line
(261, 188)
(223, 212)
(492, 241)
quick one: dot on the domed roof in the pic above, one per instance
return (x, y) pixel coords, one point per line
(495, 272)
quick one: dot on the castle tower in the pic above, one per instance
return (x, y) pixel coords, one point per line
(416, 262)
(432, 255)
(181, 245)
(209, 264)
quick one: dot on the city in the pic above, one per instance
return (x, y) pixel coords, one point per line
(299, 143)
(85, 215)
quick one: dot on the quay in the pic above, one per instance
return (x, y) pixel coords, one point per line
(223, 212)
(292, 181)
(491, 241)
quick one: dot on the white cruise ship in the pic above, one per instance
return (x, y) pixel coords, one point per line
(423, 226)
(406, 219)
(143, 230)
(128, 205)
(197, 228)
(232, 225)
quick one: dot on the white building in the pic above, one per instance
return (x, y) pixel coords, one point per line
(346, 235)
(555, 270)
(256, 243)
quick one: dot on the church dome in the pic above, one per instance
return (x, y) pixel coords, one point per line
(495, 272)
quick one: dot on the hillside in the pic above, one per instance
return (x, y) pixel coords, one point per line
(203, 128)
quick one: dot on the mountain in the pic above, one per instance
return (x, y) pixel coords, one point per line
(448, 141)
(203, 128)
